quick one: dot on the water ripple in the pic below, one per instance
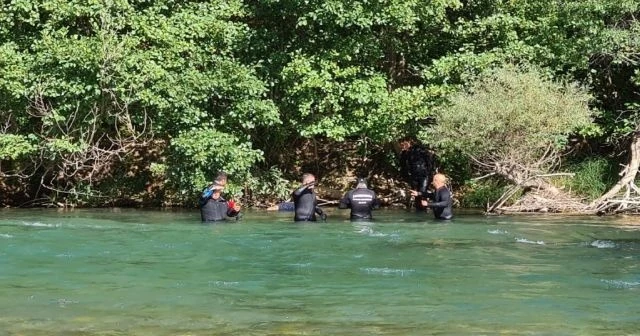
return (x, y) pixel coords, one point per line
(497, 231)
(64, 302)
(527, 241)
(224, 283)
(603, 244)
(39, 224)
(368, 230)
(387, 271)
(300, 265)
(620, 283)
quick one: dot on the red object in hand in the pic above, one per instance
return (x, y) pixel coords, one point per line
(231, 204)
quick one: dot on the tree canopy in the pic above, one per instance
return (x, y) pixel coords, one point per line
(125, 99)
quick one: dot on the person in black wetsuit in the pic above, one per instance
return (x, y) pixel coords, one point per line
(213, 207)
(417, 164)
(361, 200)
(441, 201)
(304, 200)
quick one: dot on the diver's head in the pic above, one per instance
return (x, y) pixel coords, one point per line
(308, 178)
(361, 182)
(439, 180)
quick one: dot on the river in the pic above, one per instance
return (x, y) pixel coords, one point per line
(149, 272)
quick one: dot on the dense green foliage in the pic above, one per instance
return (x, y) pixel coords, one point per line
(101, 100)
(511, 116)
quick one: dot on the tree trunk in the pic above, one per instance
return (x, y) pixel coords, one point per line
(538, 194)
(525, 179)
(627, 180)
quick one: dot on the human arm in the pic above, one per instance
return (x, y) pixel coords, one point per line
(205, 195)
(415, 193)
(286, 206)
(321, 213)
(376, 202)
(233, 209)
(345, 202)
(302, 188)
(427, 194)
(442, 199)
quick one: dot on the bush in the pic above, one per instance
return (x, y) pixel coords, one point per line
(510, 114)
(267, 186)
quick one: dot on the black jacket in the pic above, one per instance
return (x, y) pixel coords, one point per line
(417, 162)
(361, 201)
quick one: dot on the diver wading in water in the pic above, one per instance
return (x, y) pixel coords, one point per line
(440, 201)
(213, 207)
(305, 203)
(360, 200)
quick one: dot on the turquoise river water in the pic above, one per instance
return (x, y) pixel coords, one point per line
(143, 272)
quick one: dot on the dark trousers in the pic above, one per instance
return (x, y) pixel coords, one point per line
(420, 184)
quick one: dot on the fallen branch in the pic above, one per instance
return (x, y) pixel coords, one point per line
(483, 177)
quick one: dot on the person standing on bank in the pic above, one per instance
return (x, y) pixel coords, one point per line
(360, 200)
(417, 164)
(304, 200)
(441, 202)
(213, 207)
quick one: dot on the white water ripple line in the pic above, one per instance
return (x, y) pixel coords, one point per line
(497, 231)
(621, 284)
(367, 230)
(527, 241)
(603, 244)
(388, 271)
(5, 235)
(38, 224)
(224, 283)
(300, 265)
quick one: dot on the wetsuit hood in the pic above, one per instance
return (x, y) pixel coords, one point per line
(361, 183)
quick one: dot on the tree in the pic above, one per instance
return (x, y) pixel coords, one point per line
(92, 88)
(513, 122)
(620, 58)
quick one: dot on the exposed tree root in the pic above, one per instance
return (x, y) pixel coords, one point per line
(624, 196)
(544, 201)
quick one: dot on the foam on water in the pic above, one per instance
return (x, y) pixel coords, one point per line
(387, 271)
(621, 283)
(527, 241)
(603, 244)
(368, 230)
(39, 224)
(497, 231)
(64, 302)
(5, 235)
(300, 265)
(224, 283)
(364, 229)
(378, 234)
